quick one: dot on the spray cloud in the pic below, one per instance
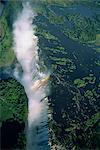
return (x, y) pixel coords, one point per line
(26, 50)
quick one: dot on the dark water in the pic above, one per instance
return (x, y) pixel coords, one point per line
(84, 55)
(10, 133)
(83, 10)
(43, 132)
(6, 72)
(84, 58)
(11, 129)
(1, 9)
(2, 6)
(38, 135)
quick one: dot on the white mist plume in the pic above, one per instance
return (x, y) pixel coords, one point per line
(34, 82)
(26, 50)
(25, 42)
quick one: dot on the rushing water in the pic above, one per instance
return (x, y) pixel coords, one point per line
(30, 77)
(38, 133)
(34, 81)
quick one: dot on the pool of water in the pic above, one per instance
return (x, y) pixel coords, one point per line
(83, 10)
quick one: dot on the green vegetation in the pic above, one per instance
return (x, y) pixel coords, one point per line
(84, 29)
(63, 3)
(56, 50)
(83, 128)
(80, 83)
(97, 42)
(70, 66)
(90, 79)
(97, 63)
(13, 101)
(85, 80)
(13, 105)
(92, 121)
(97, 50)
(74, 97)
(6, 53)
(88, 94)
(46, 34)
(55, 19)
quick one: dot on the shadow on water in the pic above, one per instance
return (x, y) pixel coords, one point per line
(9, 134)
(6, 72)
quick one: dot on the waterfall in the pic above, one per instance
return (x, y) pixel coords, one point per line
(35, 82)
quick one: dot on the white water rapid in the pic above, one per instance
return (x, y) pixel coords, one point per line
(35, 82)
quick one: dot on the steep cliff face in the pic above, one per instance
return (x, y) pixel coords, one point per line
(38, 133)
(13, 115)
